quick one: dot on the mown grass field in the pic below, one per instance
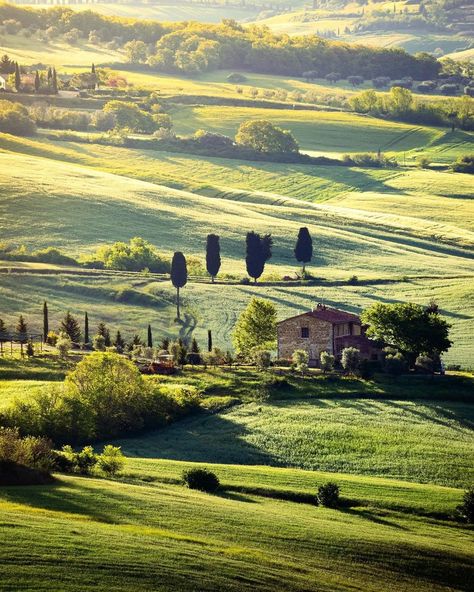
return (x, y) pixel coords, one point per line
(89, 534)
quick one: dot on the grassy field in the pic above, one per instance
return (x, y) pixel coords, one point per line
(84, 533)
(314, 130)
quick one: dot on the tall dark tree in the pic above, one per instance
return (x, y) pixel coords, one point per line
(119, 341)
(93, 69)
(179, 276)
(70, 326)
(104, 331)
(22, 330)
(50, 75)
(3, 331)
(213, 255)
(45, 321)
(54, 81)
(86, 328)
(165, 344)
(209, 340)
(149, 337)
(258, 251)
(37, 82)
(17, 77)
(135, 342)
(304, 247)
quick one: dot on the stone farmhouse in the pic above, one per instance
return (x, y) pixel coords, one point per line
(324, 329)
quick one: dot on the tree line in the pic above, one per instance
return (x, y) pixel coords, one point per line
(191, 48)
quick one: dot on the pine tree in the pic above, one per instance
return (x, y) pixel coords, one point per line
(135, 342)
(213, 255)
(304, 247)
(45, 321)
(17, 77)
(70, 326)
(119, 341)
(195, 347)
(37, 82)
(165, 344)
(149, 337)
(179, 276)
(22, 330)
(102, 330)
(86, 328)
(209, 340)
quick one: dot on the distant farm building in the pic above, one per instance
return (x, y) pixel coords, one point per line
(324, 329)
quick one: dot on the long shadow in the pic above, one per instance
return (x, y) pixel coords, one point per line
(371, 516)
(447, 417)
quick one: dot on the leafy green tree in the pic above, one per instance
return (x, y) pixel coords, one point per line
(70, 326)
(255, 328)
(304, 247)
(136, 51)
(111, 391)
(264, 136)
(179, 276)
(98, 343)
(45, 321)
(129, 116)
(410, 328)
(136, 255)
(213, 255)
(63, 345)
(111, 461)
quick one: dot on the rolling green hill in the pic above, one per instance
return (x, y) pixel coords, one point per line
(94, 534)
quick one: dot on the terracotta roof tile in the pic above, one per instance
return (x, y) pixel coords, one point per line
(331, 315)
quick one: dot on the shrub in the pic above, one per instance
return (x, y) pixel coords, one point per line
(35, 453)
(81, 462)
(201, 479)
(236, 78)
(367, 368)
(98, 343)
(327, 361)
(425, 364)
(63, 345)
(111, 461)
(300, 360)
(328, 495)
(423, 162)
(464, 164)
(350, 359)
(261, 358)
(395, 364)
(466, 509)
(52, 338)
(14, 119)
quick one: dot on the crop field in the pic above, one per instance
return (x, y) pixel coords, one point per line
(240, 541)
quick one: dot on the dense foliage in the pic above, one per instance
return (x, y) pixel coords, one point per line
(14, 119)
(256, 327)
(190, 47)
(136, 255)
(201, 479)
(23, 461)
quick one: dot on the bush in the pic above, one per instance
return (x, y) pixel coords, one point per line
(464, 164)
(350, 359)
(425, 364)
(395, 364)
(327, 361)
(328, 495)
(367, 368)
(423, 162)
(81, 462)
(111, 461)
(261, 358)
(201, 479)
(300, 360)
(236, 78)
(14, 119)
(63, 345)
(466, 509)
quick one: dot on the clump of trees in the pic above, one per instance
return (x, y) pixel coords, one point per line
(263, 136)
(24, 460)
(401, 104)
(136, 255)
(14, 119)
(464, 164)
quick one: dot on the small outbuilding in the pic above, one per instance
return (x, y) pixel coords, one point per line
(324, 329)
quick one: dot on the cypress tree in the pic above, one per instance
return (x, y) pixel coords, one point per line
(45, 321)
(304, 247)
(179, 276)
(209, 340)
(70, 326)
(50, 75)
(93, 69)
(255, 255)
(3, 331)
(102, 330)
(149, 337)
(55, 82)
(37, 82)
(266, 245)
(17, 77)
(86, 328)
(213, 255)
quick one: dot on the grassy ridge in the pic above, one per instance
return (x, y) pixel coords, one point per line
(85, 533)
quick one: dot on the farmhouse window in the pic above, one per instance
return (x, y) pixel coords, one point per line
(355, 329)
(304, 332)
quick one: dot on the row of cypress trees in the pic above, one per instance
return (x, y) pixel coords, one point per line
(258, 252)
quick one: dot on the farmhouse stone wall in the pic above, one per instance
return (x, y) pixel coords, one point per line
(289, 337)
